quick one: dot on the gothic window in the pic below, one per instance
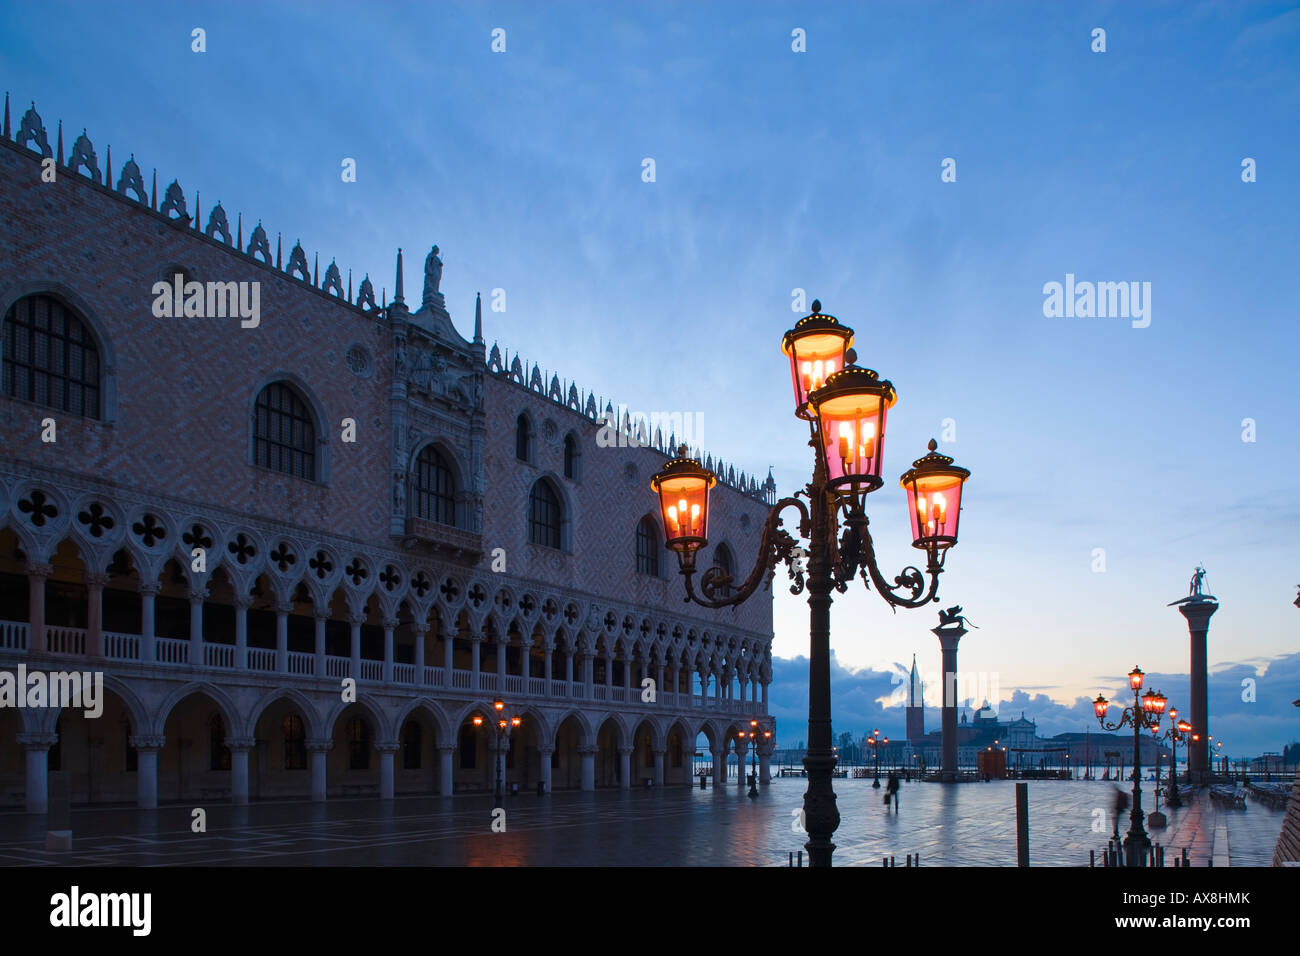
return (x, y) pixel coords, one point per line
(523, 439)
(411, 740)
(435, 488)
(647, 547)
(218, 752)
(295, 743)
(545, 515)
(284, 435)
(571, 457)
(358, 744)
(50, 357)
(722, 559)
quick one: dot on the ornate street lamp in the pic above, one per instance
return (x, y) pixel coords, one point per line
(504, 724)
(874, 742)
(754, 735)
(845, 407)
(1143, 715)
(1178, 730)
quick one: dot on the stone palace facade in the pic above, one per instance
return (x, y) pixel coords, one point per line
(239, 493)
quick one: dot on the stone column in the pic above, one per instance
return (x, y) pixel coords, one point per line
(354, 671)
(588, 662)
(588, 754)
(146, 749)
(37, 746)
(659, 679)
(544, 754)
(609, 676)
(767, 679)
(448, 658)
(386, 787)
(36, 577)
(624, 768)
(548, 651)
(282, 609)
(659, 767)
(1198, 614)
(446, 784)
(95, 614)
(742, 752)
(948, 640)
(421, 630)
(475, 641)
(318, 748)
(196, 627)
(148, 639)
(242, 603)
(239, 748)
(627, 680)
(568, 670)
(719, 767)
(389, 625)
(765, 764)
(501, 665)
(321, 615)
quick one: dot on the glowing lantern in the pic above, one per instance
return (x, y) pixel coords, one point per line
(683, 489)
(934, 487)
(817, 346)
(851, 409)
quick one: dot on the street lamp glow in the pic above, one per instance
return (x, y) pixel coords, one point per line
(683, 488)
(851, 409)
(934, 486)
(817, 347)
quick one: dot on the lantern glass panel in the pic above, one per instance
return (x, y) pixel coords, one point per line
(853, 436)
(684, 506)
(812, 359)
(934, 502)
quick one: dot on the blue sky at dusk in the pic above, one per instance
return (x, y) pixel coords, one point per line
(776, 171)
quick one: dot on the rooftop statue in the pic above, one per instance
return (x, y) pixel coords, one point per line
(432, 276)
(954, 616)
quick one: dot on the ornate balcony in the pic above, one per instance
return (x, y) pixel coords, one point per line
(456, 544)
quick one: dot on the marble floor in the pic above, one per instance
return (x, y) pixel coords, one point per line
(956, 825)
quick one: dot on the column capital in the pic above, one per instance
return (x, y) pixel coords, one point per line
(198, 596)
(322, 613)
(95, 579)
(150, 588)
(420, 626)
(241, 743)
(589, 750)
(242, 602)
(37, 741)
(446, 749)
(320, 745)
(39, 569)
(387, 747)
(390, 623)
(147, 742)
(282, 607)
(546, 751)
(626, 751)
(356, 620)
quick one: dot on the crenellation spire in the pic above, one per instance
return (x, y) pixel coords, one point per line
(277, 251)
(398, 297)
(60, 154)
(153, 191)
(478, 319)
(239, 243)
(6, 126)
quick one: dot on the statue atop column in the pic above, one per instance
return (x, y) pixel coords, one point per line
(1196, 593)
(432, 277)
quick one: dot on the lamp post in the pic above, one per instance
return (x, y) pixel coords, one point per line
(755, 734)
(1179, 730)
(845, 406)
(503, 726)
(1144, 714)
(873, 741)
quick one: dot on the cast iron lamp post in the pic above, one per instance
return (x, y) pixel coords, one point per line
(845, 407)
(503, 727)
(754, 735)
(1178, 730)
(1144, 714)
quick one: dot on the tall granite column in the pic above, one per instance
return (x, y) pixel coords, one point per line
(949, 637)
(1198, 615)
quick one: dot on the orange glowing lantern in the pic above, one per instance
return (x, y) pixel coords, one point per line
(1135, 678)
(1101, 705)
(934, 487)
(851, 409)
(817, 346)
(683, 489)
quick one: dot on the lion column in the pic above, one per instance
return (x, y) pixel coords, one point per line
(949, 636)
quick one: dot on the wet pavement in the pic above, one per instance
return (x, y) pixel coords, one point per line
(955, 825)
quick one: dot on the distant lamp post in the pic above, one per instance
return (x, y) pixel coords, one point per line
(1143, 715)
(873, 741)
(845, 406)
(1178, 730)
(754, 735)
(504, 724)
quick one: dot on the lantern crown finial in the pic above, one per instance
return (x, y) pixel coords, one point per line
(816, 306)
(933, 446)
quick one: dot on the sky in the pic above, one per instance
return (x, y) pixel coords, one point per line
(1108, 460)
